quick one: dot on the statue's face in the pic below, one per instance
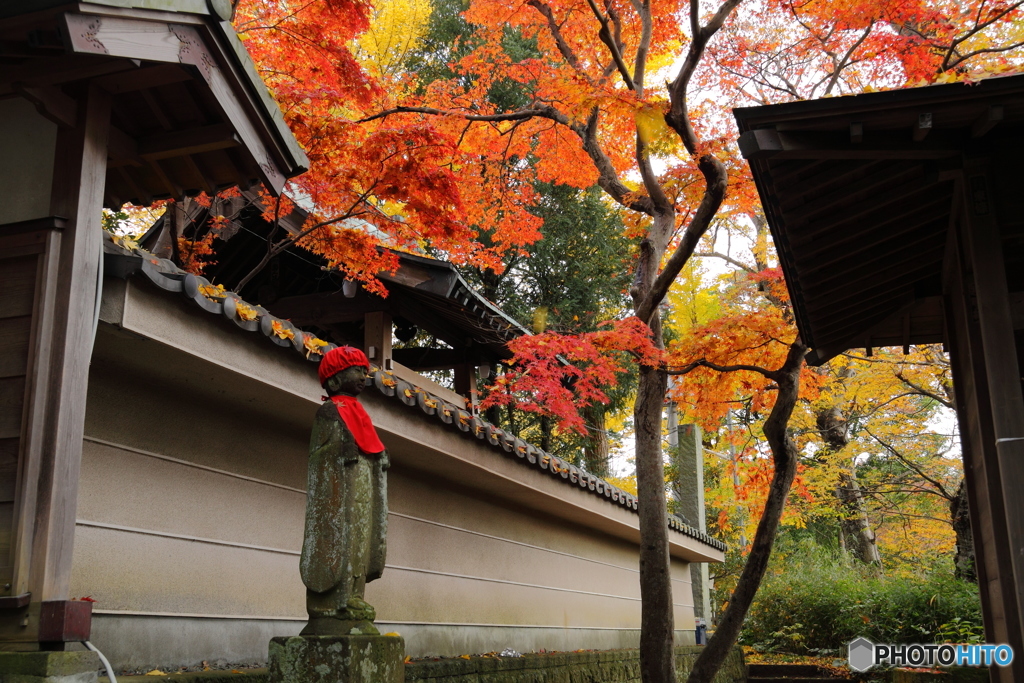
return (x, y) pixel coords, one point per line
(349, 381)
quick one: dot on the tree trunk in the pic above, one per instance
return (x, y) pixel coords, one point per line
(595, 450)
(964, 566)
(855, 533)
(855, 527)
(545, 433)
(784, 456)
(657, 655)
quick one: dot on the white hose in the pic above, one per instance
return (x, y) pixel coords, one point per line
(106, 664)
(96, 305)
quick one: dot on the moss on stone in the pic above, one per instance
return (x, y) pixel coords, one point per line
(47, 664)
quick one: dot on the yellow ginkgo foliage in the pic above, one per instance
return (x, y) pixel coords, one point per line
(396, 29)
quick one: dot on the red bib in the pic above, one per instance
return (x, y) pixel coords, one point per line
(358, 422)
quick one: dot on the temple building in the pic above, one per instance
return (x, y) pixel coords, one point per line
(898, 220)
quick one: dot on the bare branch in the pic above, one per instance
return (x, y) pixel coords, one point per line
(556, 33)
(705, 363)
(906, 461)
(727, 259)
(924, 392)
(846, 58)
(605, 34)
(543, 111)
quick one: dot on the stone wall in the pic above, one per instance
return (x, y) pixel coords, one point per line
(612, 666)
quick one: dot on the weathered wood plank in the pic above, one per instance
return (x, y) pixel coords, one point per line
(8, 469)
(6, 537)
(1002, 374)
(15, 334)
(19, 286)
(12, 399)
(54, 433)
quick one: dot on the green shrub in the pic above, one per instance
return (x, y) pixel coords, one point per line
(818, 604)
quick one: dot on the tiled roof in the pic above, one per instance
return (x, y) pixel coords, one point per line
(122, 262)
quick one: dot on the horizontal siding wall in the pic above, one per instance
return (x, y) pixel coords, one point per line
(190, 522)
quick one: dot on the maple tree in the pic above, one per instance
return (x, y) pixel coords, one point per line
(621, 95)
(588, 102)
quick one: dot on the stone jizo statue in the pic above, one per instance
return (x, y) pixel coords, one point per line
(346, 508)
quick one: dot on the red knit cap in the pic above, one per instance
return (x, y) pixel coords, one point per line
(337, 359)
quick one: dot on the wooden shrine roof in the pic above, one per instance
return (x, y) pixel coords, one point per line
(425, 292)
(189, 111)
(859, 191)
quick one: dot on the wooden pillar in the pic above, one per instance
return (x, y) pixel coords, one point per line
(466, 386)
(377, 338)
(52, 255)
(990, 408)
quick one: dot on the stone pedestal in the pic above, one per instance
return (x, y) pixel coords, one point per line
(49, 667)
(337, 659)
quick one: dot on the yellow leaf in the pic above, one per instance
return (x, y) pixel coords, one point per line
(280, 330)
(212, 291)
(313, 345)
(245, 312)
(463, 656)
(392, 634)
(156, 672)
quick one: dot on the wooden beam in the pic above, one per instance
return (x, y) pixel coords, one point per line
(797, 193)
(201, 179)
(876, 257)
(439, 279)
(768, 143)
(157, 110)
(59, 369)
(138, 194)
(63, 69)
(785, 173)
(51, 103)
(327, 309)
(992, 117)
(174, 190)
(122, 149)
(860, 192)
(425, 359)
(824, 253)
(377, 338)
(985, 258)
(857, 214)
(142, 79)
(981, 468)
(187, 141)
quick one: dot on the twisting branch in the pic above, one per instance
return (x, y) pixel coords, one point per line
(784, 458)
(906, 461)
(556, 32)
(979, 26)
(715, 175)
(605, 34)
(842, 64)
(705, 363)
(924, 392)
(727, 259)
(543, 111)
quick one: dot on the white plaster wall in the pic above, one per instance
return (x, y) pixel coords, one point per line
(191, 514)
(27, 145)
